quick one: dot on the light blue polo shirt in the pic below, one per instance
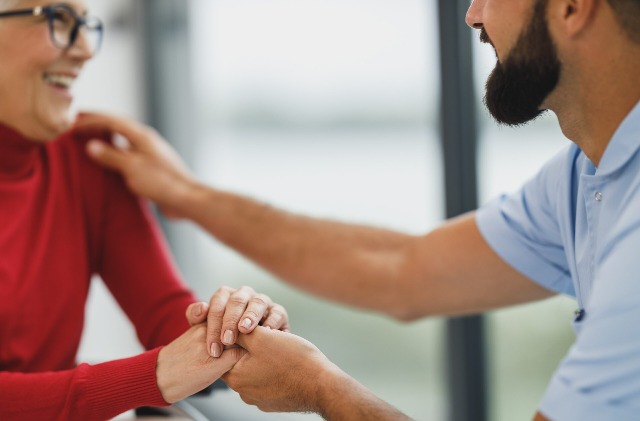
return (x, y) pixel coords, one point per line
(575, 229)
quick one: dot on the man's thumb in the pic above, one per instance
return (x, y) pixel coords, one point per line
(251, 340)
(230, 357)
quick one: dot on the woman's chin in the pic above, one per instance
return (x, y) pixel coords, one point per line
(53, 128)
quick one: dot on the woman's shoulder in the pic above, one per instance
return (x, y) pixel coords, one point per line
(69, 151)
(75, 142)
(68, 160)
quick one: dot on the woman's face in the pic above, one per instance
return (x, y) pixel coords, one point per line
(36, 77)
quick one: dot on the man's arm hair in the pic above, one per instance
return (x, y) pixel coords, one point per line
(343, 398)
(451, 270)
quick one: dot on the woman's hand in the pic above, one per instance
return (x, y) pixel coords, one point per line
(232, 311)
(184, 367)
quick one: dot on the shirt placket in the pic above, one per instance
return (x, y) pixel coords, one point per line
(594, 197)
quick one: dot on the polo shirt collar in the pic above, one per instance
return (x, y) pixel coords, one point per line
(623, 145)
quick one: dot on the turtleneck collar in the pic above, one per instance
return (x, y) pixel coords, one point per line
(18, 154)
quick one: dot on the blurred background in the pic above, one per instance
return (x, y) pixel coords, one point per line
(330, 108)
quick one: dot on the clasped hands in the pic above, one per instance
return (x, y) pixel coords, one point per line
(243, 337)
(271, 368)
(207, 350)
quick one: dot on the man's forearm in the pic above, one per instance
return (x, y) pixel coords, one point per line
(343, 398)
(447, 271)
(331, 259)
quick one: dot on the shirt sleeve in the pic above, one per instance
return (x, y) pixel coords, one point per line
(136, 266)
(127, 250)
(600, 377)
(88, 392)
(523, 229)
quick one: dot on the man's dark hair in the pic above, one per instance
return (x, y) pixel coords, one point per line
(628, 16)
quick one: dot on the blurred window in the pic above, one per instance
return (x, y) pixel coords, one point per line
(329, 108)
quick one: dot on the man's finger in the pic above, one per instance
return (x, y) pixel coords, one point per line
(229, 358)
(251, 341)
(106, 155)
(134, 132)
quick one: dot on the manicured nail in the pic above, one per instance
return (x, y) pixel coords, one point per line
(197, 310)
(246, 323)
(95, 147)
(228, 337)
(215, 350)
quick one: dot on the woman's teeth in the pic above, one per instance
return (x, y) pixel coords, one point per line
(60, 80)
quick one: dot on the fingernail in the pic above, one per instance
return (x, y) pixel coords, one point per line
(95, 147)
(215, 350)
(228, 337)
(197, 310)
(246, 323)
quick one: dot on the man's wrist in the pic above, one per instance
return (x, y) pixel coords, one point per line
(191, 198)
(330, 389)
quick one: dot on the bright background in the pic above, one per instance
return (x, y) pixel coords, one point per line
(330, 108)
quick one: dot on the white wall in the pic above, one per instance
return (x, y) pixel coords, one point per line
(111, 82)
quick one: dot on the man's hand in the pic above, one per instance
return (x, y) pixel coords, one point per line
(233, 311)
(280, 373)
(184, 367)
(150, 166)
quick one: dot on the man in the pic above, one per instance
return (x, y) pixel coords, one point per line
(573, 229)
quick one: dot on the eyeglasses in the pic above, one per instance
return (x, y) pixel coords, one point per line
(65, 25)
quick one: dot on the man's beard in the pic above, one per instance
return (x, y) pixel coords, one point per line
(517, 88)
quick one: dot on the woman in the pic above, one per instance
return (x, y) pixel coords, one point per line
(63, 219)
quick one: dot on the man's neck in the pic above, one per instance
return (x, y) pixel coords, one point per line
(591, 106)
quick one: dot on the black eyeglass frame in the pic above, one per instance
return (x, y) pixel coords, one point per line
(90, 22)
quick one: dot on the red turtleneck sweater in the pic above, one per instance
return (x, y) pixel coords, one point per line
(63, 219)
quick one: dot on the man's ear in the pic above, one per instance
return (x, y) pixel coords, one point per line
(572, 17)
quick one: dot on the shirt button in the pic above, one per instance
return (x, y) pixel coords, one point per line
(598, 196)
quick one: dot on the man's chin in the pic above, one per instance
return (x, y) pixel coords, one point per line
(519, 120)
(511, 113)
(511, 103)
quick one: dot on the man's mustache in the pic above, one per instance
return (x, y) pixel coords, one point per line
(484, 37)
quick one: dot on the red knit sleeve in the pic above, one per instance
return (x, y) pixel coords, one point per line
(88, 392)
(136, 266)
(129, 252)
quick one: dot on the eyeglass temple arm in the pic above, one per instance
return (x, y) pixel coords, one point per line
(36, 11)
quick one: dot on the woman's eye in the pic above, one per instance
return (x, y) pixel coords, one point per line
(62, 18)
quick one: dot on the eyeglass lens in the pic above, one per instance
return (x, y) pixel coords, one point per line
(65, 27)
